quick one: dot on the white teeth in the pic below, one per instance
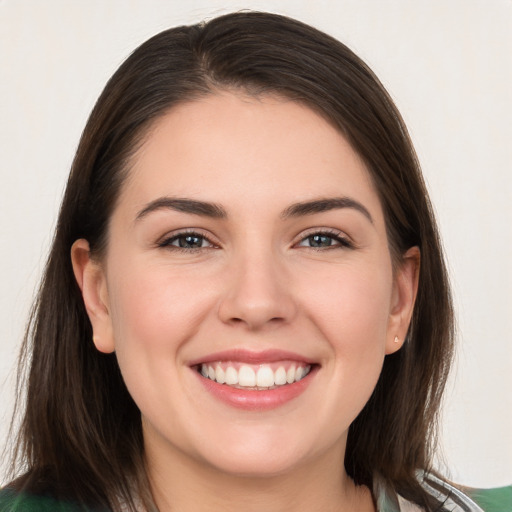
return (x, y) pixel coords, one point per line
(265, 377)
(280, 377)
(248, 377)
(231, 376)
(220, 375)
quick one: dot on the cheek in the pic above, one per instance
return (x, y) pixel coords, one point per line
(352, 312)
(349, 309)
(352, 308)
(154, 310)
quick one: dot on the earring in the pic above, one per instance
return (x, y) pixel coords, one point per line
(396, 340)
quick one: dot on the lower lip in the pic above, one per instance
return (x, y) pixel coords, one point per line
(253, 400)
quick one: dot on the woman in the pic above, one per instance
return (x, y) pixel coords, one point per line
(246, 303)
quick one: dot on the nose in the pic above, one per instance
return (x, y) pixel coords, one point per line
(257, 294)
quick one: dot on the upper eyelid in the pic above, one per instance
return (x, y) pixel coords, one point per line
(345, 241)
(323, 231)
(329, 231)
(184, 232)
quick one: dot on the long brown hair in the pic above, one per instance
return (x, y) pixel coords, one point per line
(81, 436)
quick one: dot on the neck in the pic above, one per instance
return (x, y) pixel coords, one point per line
(184, 485)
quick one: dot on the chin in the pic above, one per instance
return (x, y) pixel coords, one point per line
(260, 465)
(258, 455)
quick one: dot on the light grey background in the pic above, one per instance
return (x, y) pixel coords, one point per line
(447, 64)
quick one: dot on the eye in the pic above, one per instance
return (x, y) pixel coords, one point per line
(325, 240)
(186, 241)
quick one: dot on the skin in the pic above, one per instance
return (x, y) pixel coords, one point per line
(257, 284)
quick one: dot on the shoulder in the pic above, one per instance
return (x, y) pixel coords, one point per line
(498, 499)
(449, 497)
(461, 499)
(407, 506)
(13, 501)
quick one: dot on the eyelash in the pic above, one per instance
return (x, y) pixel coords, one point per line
(166, 243)
(341, 241)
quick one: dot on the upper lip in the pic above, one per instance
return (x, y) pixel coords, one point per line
(252, 357)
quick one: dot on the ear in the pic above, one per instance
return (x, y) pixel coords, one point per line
(91, 279)
(405, 288)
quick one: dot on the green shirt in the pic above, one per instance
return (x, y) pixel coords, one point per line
(486, 500)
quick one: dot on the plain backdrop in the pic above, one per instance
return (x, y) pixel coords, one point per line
(447, 64)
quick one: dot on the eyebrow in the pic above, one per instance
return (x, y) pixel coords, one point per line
(324, 205)
(192, 206)
(216, 211)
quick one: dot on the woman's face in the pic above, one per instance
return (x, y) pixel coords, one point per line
(248, 245)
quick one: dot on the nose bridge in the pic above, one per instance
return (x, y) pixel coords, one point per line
(256, 291)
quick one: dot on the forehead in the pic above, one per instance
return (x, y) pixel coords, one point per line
(242, 150)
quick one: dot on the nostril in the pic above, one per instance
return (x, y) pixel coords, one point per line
(255, 323)
(255, 307)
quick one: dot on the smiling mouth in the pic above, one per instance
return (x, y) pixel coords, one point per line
(257, 377)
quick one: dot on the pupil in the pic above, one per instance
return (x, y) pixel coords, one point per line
(319, 241)
(190, 241)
